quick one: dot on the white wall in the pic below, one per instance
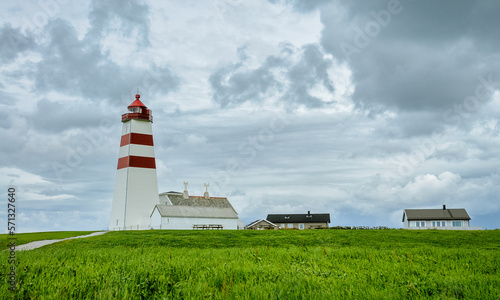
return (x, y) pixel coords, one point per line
(155, 219)
(117, 217)
(449, 225)
(136, 189)
(187, 223)
(142, 195)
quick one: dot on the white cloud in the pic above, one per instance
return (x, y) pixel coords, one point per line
(16, 176)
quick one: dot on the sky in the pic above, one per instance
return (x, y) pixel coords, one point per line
(360, 109)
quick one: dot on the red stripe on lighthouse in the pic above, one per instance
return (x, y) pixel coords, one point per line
(142, 162)
(137, 139)
(136, 162)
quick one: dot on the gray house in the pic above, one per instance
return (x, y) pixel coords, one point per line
(451, 219)
(300, 221)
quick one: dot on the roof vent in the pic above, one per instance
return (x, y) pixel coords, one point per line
(206, 195)
(185, 195)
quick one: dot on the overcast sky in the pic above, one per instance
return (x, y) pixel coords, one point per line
(359, 109)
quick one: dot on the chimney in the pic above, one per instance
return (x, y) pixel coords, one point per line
(185, 195)
(308, 212)
(206, 195)
(444, 206)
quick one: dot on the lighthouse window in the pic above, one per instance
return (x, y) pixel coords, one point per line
(135, 109)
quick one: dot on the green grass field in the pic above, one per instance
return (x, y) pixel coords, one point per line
(284, 264)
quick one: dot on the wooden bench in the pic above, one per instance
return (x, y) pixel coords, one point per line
(197, 226)
(215, 226)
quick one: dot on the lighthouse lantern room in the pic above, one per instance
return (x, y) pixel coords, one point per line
(137, 110)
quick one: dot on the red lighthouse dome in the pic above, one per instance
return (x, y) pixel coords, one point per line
(137, 110)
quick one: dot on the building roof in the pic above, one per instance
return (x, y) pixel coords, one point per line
(196, 211)
(436, 214)
(137, 102)
(177, 199)
(261, 220)
(298, 218)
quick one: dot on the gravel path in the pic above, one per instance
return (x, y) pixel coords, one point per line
(38, 244)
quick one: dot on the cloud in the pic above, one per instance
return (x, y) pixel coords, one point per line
(303, 5)
(406, 56)
(77, 67)
(13, 42)
(295, 77)
(16, 176)
(270, 109)
(127, 17)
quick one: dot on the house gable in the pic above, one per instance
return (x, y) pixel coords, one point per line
(262, 223)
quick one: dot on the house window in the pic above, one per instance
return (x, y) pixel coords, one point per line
(289, 225)
(443, 223)
(420, 224)
(433, 223)
(301, 226)
(457, 224)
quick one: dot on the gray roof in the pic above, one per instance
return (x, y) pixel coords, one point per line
(196, 211)
(436, 214)
(298, 218)
(178, 199)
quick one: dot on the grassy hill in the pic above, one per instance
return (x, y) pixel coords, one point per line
(285, 264)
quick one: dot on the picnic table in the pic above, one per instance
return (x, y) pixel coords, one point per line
(210, 226)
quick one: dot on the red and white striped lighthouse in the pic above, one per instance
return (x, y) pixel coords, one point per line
(136, 186)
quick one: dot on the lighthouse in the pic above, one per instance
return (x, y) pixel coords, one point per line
(136, 186)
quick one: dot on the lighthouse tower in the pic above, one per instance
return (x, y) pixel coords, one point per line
(136, 186)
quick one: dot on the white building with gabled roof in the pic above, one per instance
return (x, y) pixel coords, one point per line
(181, 211)
(450, 219)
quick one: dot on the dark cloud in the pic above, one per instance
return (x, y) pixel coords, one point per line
(13, 42)
(77, 67)
(128, 17)
(57, 116)
(290, 76)
(312, 69)
(411, 123)
(420, 55)
(232, 87)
